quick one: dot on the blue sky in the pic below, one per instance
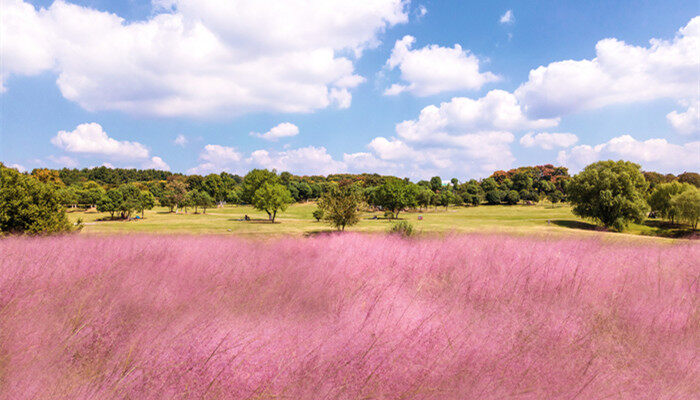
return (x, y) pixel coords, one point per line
(477, 86)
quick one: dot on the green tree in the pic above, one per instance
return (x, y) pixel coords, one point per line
(110, 202)
(395, 195)
(271, 198)
(131, 196)
(29, 206)
(424, 196)
(435, 183)
(512, 197)
(146, 201)
(253, 181)
(660, 199)
(687, 205)
(214, 186)
(318, 214)
(610, 192)
(494, 196)
(340, 205)
(690, 177)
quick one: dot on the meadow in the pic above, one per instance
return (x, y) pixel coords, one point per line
(347, 316)
(298, 220)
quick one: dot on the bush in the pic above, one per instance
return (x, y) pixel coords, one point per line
(388, 214)
(318, 214)
(494, 196)
(403, 228)
(512, 197)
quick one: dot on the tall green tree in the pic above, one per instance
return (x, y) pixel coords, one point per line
(660, 199)
(29, 206)
(395, 195)
(435, 183)
(610, 192)
(340, 204)
(146, 201)
(271, 198)
(687, 205)
(253, 181)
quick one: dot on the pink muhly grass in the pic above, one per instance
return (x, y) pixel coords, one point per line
(347, 317)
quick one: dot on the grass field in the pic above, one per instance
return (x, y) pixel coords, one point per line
(521, 219)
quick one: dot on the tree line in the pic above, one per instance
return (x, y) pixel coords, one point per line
(612, 193)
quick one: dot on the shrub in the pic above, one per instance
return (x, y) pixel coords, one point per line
(494, 196)
(512, 197)
(318, 214)
(403, 228)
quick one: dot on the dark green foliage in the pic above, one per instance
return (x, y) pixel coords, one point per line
(29, 206)
(512, 197)
(690, 177)
(610, 192)
(435, 183)
(318, 214)
(494, 196)
(394, 195)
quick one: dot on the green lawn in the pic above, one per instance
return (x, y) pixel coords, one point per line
(538, 219)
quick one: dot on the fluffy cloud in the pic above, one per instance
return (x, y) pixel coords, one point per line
(652, 154)
(620, 73)
(305, 160)
(156, 163)
(285, 129)
(180, 140)
(547, 140)
(309, 160)
(497, 111)
(199, 58)
(64, 161)
(25, 47)
(687, 122)
(434, 69)
(92, 139)
(507, 18)
(18, 167)
(463, 136)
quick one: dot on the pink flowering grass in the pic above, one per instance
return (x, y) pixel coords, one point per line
(347, 317)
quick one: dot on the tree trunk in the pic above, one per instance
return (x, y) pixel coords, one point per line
(274, 214)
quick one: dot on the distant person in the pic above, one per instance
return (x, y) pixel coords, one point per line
(247, 218)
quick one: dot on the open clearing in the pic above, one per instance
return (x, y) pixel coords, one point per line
(519, 219)
(347, 317)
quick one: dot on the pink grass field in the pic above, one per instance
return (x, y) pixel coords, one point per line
(347, 317)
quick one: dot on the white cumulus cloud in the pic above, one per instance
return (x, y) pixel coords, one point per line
(434, 69)
(687, 122)
(285, 129)
(547, 140)
(90, 138)
(156, 163)
(198, 58)
(620, 73)
(651, 154)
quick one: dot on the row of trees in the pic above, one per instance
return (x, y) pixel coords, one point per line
(612, 193)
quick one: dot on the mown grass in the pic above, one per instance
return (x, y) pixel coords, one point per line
(298, 220)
